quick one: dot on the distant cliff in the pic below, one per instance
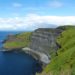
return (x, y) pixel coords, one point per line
(18, 41)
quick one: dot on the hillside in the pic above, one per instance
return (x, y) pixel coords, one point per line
(64, 63)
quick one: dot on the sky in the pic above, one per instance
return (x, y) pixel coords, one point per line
(32, 14)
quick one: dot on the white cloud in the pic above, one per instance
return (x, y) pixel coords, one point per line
(17, 5)
(55, 4)
(32, 21)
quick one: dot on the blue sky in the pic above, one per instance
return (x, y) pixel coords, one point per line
(41, 7)
(25, 14)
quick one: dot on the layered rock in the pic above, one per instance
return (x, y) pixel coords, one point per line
(44, 40)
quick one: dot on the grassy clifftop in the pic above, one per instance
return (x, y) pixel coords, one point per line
(18, 41)
(64, 63)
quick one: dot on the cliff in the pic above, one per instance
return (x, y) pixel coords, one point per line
(16, 42)
(41, 43)
(44, 40)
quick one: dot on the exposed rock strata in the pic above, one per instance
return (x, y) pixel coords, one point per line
(44, 40)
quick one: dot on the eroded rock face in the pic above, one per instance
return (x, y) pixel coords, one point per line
(43, 43)
(44, 40)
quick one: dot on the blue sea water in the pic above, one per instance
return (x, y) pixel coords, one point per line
(16, 63)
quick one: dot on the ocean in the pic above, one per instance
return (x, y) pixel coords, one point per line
(16, 63)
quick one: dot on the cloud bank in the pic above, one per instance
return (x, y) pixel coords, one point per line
(33, 21)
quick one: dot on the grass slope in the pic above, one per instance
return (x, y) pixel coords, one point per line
(64, 63)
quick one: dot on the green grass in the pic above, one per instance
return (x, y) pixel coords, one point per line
(23, 41)
(64, 63)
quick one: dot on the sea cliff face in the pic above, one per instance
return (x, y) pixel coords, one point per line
(44, 40)
(41, 43)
